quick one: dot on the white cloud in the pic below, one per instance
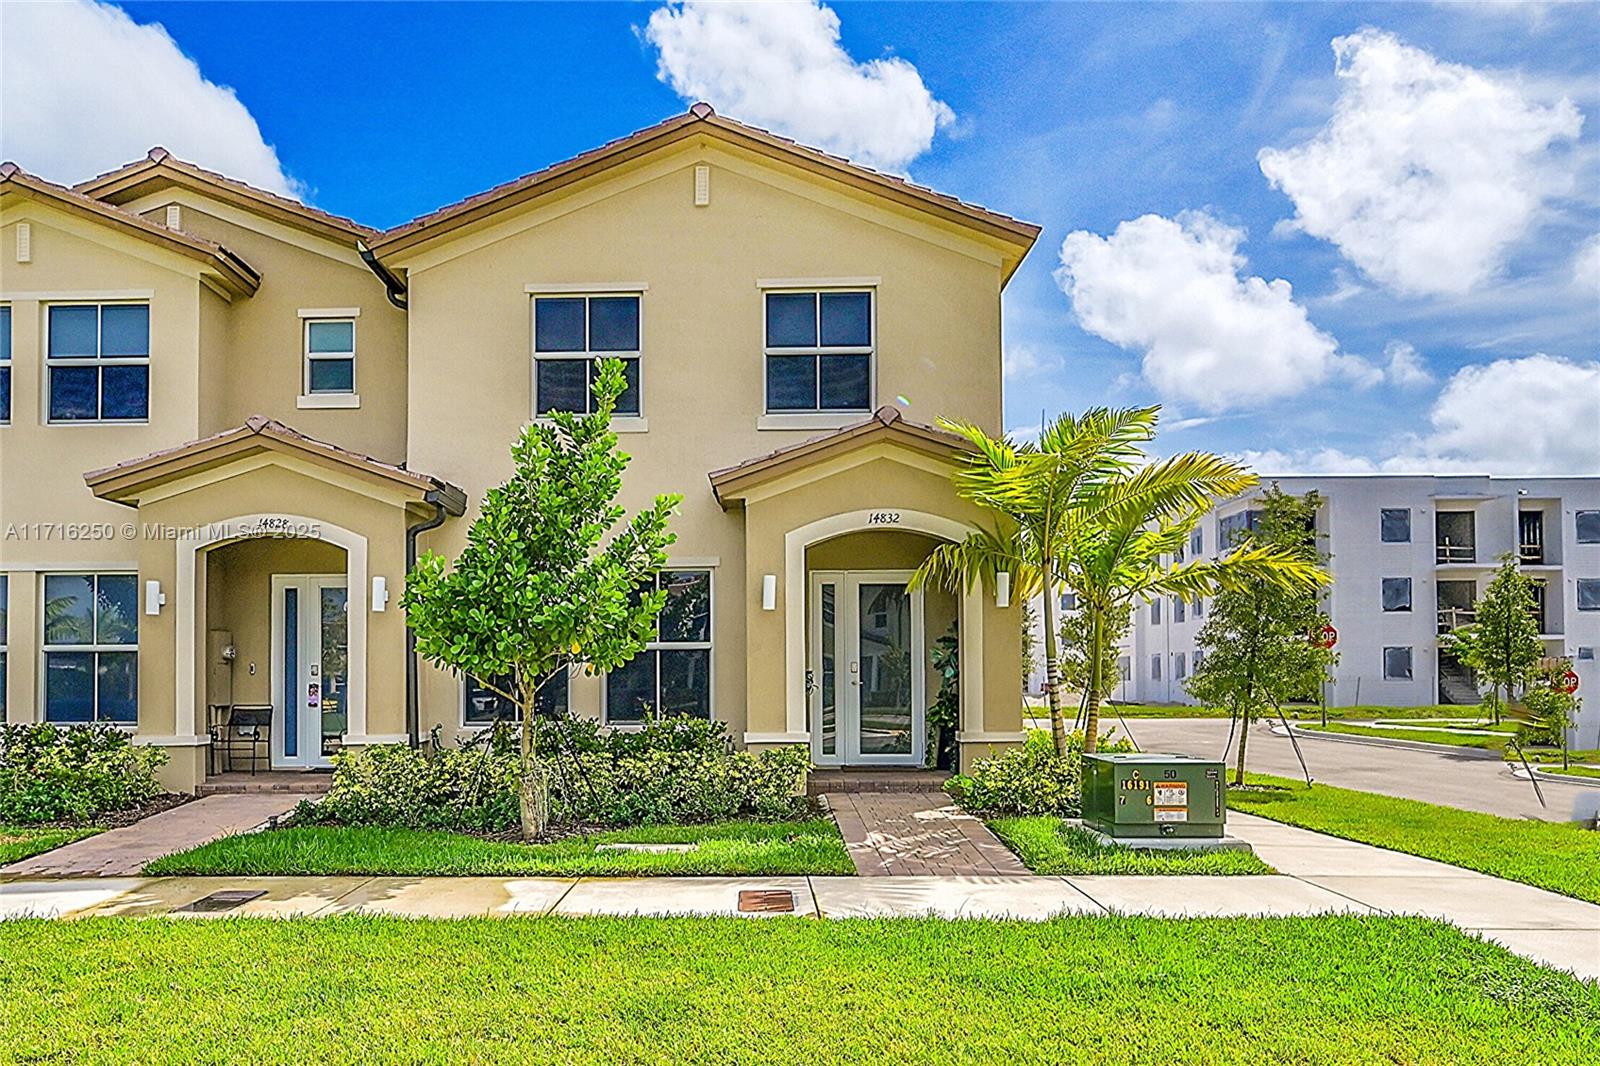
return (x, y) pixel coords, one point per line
(1586, 267)
(781, 66)
(1405, 368)
(1027, 360)
(1428, 172)
(1534, 414)
(83, 88)
(1210, 336)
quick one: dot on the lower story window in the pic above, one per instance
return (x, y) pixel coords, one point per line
(672, 676)
(1397, 664)
(483, 704)
(91, 648)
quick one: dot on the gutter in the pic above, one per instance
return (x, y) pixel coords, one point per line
(395, 288)
(446, 501)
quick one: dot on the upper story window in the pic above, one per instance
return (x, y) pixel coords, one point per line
(1155, 612)
(5, 376)
(1197, 543)
(1394, 525)
(98, 359)
(1396, 593)
(1231, 528)
(819, 351)
(91, 648)
(572, 332)
(330, 356)
(1588, 594)
(1588, 527)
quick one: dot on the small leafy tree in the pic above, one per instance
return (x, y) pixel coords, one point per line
(1548, 709)
(1030, 641)
(547, 582)
(1502, 645)
(1258, 637)
(1077, 672)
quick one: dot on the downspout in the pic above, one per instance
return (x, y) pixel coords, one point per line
(413, 711)
(394, 288)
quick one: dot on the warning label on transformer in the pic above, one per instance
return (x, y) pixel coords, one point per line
(1171, 801)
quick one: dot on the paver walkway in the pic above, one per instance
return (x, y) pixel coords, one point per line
(120, 852)
(900, 834)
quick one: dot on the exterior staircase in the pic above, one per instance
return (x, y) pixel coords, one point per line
(1456, 683)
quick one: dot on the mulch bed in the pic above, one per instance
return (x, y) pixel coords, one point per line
(162, 801)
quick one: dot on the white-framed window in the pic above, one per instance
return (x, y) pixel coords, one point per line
(483, 705)
(1397, 664)
(1069, 601)
(1155, 612)
(819, 350)
(1197, 542)
(1199, 610)
(672, 676)
(1396, 594)
(1588, 594)
(1231, 528)
(1394, 525)
(5, 589)
(1587, 527)
(1180, 667)
(91, 648)
(1155, 668)
(1199, 659)
(571, 333)
(97, 360)
(330, 351)
(1177, 608)
(5, 363)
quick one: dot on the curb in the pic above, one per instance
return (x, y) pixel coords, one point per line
(1387, 742)
(1561, 779)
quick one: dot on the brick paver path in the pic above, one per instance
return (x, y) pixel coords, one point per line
(120, 852)
(891, 834)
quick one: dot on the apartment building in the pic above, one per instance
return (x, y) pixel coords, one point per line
(1411, 554)
(228, 423)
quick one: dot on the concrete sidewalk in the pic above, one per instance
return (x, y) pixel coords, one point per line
(1318, 875)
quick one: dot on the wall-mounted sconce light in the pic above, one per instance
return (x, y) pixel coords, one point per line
(1002, 589)
(380, 593)
(154, 598)
(769, 592)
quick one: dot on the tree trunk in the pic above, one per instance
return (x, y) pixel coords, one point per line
(533, 801)
(1052, 670)
(1244, 734)
(1091, 718)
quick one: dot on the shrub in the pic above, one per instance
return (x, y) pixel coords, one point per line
(672, 771)
(51, 773)
(1030, 780)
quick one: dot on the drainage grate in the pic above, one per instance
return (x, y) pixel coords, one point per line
(766, 901)
(225, 900)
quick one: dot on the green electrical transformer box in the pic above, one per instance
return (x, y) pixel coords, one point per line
(1148, 795)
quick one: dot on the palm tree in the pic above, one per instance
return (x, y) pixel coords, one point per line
(1119, 533)
(1034, 488)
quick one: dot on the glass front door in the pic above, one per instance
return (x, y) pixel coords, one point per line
(866, 683)
(310, 674)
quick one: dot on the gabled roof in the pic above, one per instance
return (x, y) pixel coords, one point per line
(884, 424)
(701, 120)
(161, 170)
(122, 483)
(231, 272)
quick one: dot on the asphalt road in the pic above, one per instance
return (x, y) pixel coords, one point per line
(1474, 784)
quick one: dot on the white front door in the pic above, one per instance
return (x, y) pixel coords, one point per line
(867, 679)
(310, 646)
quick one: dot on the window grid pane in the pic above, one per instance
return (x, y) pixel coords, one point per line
(673, 675)
(579, 331)
(91, 634)
(98, 363)
(819, 349)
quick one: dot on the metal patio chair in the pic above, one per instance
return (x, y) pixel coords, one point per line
(248, 726)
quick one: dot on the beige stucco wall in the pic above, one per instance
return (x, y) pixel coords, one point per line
(938, 345)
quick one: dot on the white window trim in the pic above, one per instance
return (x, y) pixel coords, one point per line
(818, 417)
(1410, 590)
(5, 361)
(329, 312)
(1576, 514)
(1410, 525)
(1385, 663)
(341, 399)
(620, 423)
(96, 361)
(708, 646)
(45, 648)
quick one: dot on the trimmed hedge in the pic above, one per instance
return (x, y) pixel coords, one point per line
(680, 770)
(1030, 780)
(73, 773)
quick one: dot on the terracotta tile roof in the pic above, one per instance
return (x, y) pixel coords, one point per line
(235, 270)
(159, 163)
(260, 426)
(702, 118)
(885, 421)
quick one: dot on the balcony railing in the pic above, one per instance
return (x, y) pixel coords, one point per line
(1531, 554)
(1451, 618)
(1456, 553)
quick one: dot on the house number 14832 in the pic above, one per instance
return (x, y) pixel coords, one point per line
(883, 518)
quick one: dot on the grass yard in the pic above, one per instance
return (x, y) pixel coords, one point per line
(1592, 772)
(21, 841)
(751, 848)
(1451, 737)
(725, 990)
(1561, 857)
(1051, 846)
(1298, 712)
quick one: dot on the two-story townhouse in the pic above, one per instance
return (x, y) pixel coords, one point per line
(792, 323)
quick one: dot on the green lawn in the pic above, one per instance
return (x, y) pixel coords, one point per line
(1571, 771)
(807, 847)
(1453, 738)
(1051, 846)
(20, 841)
(1558, 856)
(1300, 712)
(724, 990)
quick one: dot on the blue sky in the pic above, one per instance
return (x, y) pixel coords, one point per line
(1458, 327)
